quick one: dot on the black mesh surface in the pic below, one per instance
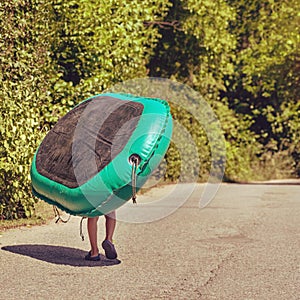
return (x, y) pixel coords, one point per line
(86, 139)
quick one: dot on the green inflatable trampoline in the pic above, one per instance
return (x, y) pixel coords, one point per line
(101, 152)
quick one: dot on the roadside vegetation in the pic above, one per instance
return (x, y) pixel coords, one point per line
(242, 56)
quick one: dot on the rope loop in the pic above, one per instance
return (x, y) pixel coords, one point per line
(81, 232)
(134, 160)
(58, 217)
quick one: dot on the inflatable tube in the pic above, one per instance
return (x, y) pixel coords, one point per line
(86, 162)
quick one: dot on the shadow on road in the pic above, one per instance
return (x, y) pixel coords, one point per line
(59, 255)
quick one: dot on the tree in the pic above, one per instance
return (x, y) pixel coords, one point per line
(99, 44)
(266, 81)
(197, 48)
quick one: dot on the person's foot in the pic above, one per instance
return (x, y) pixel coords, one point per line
(109, 248)
(92, 258)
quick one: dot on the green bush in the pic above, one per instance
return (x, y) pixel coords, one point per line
(54, 55)
(23, 94)
(200, 52)
(243, 57)
(100, 44)
(265, 84)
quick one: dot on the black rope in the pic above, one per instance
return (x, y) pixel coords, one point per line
(133, 180)
(81, 232)
(134, 160)
(58, 217)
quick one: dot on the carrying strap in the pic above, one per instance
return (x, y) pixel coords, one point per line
(134, 159)
(58, 217)
(81, 232)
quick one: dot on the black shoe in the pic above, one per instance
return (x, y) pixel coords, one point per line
(109, 248)
(92, 258)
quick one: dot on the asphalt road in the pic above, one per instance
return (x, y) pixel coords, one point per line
(244, 245)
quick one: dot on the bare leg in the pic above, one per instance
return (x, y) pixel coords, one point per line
(92, 230)
(107, 244)
(110, 225)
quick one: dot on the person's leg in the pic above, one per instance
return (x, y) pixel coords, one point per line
(92, 231)
(108, 246)
(110, 225)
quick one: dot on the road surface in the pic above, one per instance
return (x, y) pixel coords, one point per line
(244, 245)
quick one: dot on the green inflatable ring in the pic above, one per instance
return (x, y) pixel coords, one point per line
(102, 151)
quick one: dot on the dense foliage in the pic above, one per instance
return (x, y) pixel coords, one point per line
(265, 85)
(24, 100)
(242, 56)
